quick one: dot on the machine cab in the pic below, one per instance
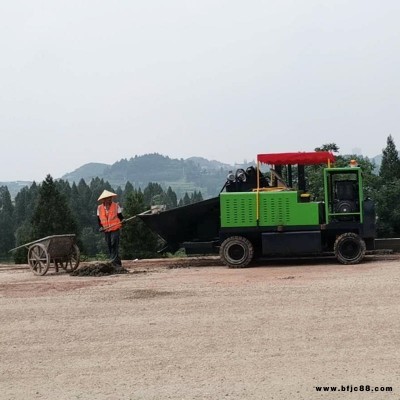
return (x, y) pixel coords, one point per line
(343, 194)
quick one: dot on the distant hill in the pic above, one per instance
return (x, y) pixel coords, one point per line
(207, 164)
(182, 175)
(16, 186)
(87, 172)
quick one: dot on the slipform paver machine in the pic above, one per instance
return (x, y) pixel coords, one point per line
(259, 215)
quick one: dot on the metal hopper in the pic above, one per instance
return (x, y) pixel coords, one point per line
(194, 227)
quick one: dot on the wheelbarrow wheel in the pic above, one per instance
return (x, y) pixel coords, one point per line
(71, 263)
(38, 259)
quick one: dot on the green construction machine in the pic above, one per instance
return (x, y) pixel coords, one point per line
(263, 215)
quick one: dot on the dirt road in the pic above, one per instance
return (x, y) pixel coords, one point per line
(198, 330)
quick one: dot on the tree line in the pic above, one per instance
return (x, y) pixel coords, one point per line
(382, 187)
(56, 207)
(181, 175)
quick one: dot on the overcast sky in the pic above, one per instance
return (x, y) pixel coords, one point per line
(97, 81)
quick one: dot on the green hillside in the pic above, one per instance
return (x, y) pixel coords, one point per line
(182, 175)
(193, 174)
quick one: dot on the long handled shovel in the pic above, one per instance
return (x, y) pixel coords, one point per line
(123, 222)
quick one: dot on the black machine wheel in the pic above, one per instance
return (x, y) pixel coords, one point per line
(349, 248)
(236, 252)
(38, 259)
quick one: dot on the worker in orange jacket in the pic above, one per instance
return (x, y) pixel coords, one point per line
(109, 215)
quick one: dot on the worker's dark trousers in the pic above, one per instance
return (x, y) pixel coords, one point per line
(112, 240)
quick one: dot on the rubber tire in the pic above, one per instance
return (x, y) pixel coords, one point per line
(349, 248)
(236, 252)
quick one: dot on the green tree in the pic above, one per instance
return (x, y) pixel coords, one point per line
(388, 209)
(172, 200)
(196, 197)
(387, 192)
(97, 186)
(23, 234)
(63, 187)
(390, 166)
(127, 191)
(6, 222)
(185, 200)
(152, 193)
(83, 205)
(119, 192)
(52, 214)
(333, 147)
(92, 243)
(137, 240)
(314, 173)
(25, 202)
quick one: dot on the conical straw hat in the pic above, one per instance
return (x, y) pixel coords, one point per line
(106, 194)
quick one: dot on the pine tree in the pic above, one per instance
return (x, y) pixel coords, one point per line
(150, 192)
(52, 214)
(87, 205)
(172, 200)
(137, 240)
(6, 222)
(390, 166)
(196, 197)
(127, 191)
(25, 202)
(388, 209)
(97, 186)
(185, 199)
(91, 242)
(387, 192)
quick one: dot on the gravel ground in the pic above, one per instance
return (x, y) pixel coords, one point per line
(193, 329)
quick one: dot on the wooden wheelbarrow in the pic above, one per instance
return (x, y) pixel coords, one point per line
(61, 250)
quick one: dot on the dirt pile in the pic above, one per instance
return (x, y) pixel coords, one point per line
(98, 269)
